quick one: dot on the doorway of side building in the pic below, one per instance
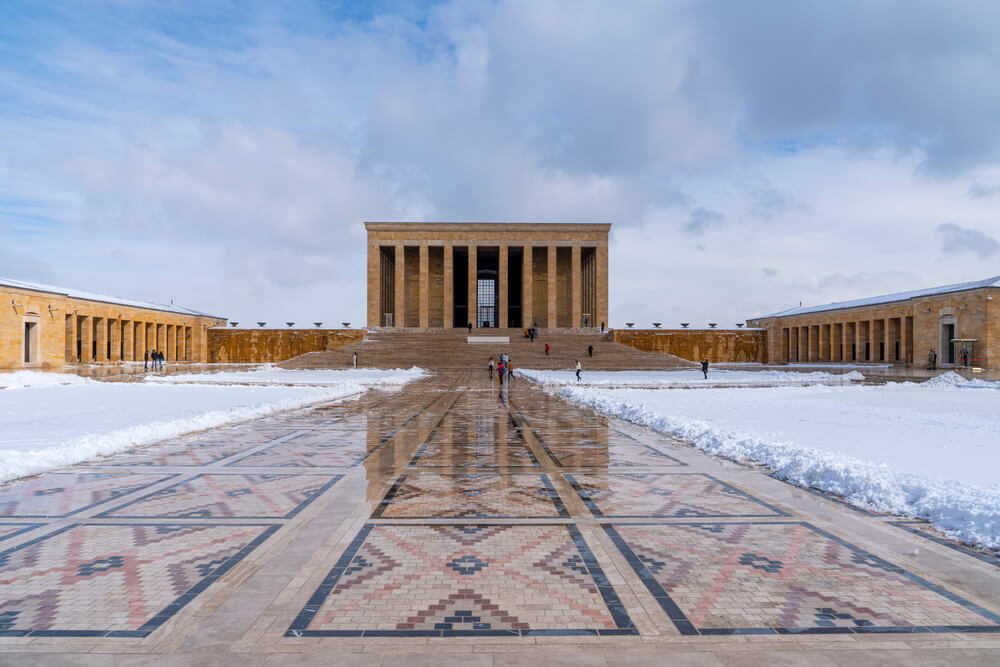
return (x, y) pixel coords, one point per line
(946, 351)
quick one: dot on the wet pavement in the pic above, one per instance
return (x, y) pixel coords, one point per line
(450, 521)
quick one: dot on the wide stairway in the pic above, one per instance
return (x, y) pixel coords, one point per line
(450, 348)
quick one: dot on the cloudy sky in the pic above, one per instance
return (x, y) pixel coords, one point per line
(751, 155)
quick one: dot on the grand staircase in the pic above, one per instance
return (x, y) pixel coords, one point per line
(450, 348)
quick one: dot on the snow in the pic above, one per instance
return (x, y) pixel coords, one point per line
(887, 298)
(52, 420)
(922, 450)
(269, 374)
(685, 378)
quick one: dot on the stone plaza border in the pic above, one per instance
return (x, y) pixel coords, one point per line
(107, 514)
(116, 475)
(24, 527)
(686, 627)
(167, 612)
(592, 506)
(300, 626)
(557, 501)
(908, 526)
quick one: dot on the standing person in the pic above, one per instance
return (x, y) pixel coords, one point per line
(590, 350)
(491, 365)
(510, 371)
(602, 327)
(578, 369)
(546, 349)
(500, 372)
(931, 360)
(152, 359)
(355, 359)
(160, 357)
(470, 326)
(704, 367)
(145, 362)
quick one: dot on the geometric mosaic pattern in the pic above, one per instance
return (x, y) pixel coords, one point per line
(121, 580)
(614, 456)
(8, 530)
(665, 495)
(515, 455)
(183, 452)
(474, 496)
(229, 497)
(787, 577)
(453, 580)
(63, 494)
(303, 455)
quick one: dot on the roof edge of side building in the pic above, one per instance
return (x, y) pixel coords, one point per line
(102, 298)
(886, 298)
(387, 226)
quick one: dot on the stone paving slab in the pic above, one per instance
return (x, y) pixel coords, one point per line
(448, 522)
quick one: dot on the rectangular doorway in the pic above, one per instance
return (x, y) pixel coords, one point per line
(30, 342)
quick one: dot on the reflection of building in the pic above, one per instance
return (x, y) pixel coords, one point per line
(500, 274)
(43, 326)
(960, 323)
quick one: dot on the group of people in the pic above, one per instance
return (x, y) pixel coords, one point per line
(502, 371)
(155, 357)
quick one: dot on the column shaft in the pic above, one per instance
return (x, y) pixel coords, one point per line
(425, 285)
(473, 302)
(449, 287)
(551, 292)
(374, 287)
(102, 339)
(86, 338)
(115, 335)
(502, 319)
(576, 288)
(399, 282)
(601, 316)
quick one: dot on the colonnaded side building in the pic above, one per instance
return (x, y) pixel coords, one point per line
(43, 326)
(490, 275)
(960, 323)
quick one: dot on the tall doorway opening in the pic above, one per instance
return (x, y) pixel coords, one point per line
(30, 342)
(486, 299)
(946, 353)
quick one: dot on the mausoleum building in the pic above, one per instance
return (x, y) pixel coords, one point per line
(959, 323)
(492, 275)
(42, 326)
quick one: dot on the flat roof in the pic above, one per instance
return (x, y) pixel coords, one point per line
(490, 226)
(887, 298)
(101, 298)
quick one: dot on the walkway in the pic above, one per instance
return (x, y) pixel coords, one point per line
(451, 524)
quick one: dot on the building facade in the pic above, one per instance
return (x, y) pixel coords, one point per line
(959, 323)
(487, 274)
(42, 326)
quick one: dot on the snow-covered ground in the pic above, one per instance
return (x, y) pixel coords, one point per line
(928, 450)
(49, 420)
(686, 378)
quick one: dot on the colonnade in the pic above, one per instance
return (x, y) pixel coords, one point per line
(91, 338)
(888, 340)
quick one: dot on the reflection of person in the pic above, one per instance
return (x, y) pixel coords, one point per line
(491, 366)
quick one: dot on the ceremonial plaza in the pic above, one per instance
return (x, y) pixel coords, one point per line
(450, 520)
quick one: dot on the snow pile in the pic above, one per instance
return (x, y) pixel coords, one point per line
(30, 379)
(686, 378)
(920, 450)
(952, 380)
(270, 374)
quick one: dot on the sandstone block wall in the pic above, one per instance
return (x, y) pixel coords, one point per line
(261, 346)
(716, 345)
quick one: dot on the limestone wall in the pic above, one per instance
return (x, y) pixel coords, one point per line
(716, 345)
(260, 346)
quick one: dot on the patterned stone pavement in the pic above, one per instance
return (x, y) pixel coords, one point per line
(451, 523)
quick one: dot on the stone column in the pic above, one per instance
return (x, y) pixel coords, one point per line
(890, 349)
(602, 286)
(128, 340)
(449, 287)
(576, 288)
(527, 314)
(904, 349)
(86, 338)
(115, 332)
(161, 338)
(803, 344)
(182, 344)
(102, 339)
(70, 346)
(399, 284)
(473, 301)
(374, 286)
(502, 319)
(425, 285)
(140, 340)
(552, 287)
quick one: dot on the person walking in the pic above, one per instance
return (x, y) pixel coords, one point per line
(578, 369)
(704, 367)
(145, 362)
(500, 373)
(355, 359)
(491, 366)
(160, 358)
(546, 349)
(590, 350)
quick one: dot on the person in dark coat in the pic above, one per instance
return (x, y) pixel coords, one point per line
(470, 327)
(704, 367)
(152, 359)
(590, 350)
(145, 361)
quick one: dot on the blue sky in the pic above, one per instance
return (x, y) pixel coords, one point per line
(750, 155)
